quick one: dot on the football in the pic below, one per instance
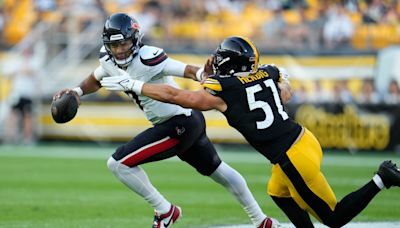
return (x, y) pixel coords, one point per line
(65, 108)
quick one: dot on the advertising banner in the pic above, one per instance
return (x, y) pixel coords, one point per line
(352, 127)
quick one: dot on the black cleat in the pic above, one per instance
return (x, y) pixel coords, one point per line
(389, 173)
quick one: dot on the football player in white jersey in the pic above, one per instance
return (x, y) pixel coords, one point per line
(176, 131)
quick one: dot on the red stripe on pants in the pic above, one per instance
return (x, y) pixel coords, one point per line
(148, 152)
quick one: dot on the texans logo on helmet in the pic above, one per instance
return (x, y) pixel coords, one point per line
(134, 25)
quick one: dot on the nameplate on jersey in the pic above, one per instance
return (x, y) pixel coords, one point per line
(253, 77)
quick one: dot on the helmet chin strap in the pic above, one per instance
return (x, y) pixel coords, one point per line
(124, 62)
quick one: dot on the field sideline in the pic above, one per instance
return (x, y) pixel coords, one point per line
(61, 185)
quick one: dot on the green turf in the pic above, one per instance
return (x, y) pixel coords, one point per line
(70, 186)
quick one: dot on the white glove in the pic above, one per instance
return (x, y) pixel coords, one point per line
(122, 82)
(285, 75)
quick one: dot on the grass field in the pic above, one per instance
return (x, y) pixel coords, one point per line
(60, 186)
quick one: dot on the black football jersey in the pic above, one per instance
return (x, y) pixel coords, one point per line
(255, 109)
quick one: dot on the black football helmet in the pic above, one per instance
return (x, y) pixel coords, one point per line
(235, 56)
(121, 27)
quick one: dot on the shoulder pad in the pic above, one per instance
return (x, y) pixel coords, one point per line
(152, 56)
(102, 52)
(212, 84)
(272, 71)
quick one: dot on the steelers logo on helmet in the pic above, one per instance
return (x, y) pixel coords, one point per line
(121, 38)
(235, 56)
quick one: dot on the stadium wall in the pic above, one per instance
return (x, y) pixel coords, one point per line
(337, 126)
(106, 116)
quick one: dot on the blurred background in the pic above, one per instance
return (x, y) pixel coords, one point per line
(343, 58)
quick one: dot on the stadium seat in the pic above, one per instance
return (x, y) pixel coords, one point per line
(292, 17)
(23, 17)
(360, 39)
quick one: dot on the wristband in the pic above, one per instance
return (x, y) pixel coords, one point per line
(78, 90)
(199, 74)
(137, 87)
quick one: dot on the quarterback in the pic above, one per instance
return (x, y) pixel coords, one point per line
(251, 97)
(176, 131)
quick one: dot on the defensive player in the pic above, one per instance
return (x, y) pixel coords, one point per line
(176, 131)
(250, 98)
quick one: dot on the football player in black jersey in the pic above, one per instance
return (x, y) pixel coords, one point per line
(251, 97)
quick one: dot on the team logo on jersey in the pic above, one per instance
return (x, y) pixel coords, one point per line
(180, 131)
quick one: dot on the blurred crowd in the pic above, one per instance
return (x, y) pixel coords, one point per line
(299, 24)
(339, 92)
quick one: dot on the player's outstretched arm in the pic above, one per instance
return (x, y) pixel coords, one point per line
(200, 100)
(190, 72)
(199, 74)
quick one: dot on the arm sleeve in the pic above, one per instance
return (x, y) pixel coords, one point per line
(174, 67)
(100, 73)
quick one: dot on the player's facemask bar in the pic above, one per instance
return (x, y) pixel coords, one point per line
(232, 70)
(134, 49)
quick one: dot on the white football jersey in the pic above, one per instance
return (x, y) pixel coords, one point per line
(147, 66)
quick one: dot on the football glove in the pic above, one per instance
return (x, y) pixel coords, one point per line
(284, 75)
(122, 82)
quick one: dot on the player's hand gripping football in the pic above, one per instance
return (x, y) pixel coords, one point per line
(122, 82)
(59, 94)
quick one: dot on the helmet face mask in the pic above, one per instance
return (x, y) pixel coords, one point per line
(121, 32)
(121, 51)
(236, 56)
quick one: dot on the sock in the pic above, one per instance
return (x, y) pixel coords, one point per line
(136, 179)
(236, 185)
(378, 181)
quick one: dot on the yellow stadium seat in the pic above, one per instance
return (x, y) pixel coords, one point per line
(360, 39)
(292, 17)
(314, 4)
(375, 36)
(255, 15)
(380, 35)
(52, 17)
(21, 21)
(311, 14)
(187, 29)
(356, 18)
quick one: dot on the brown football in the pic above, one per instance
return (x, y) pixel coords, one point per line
(65, 108)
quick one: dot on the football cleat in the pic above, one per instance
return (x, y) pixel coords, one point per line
(166, 220)
(389, 174)
(269, 223)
